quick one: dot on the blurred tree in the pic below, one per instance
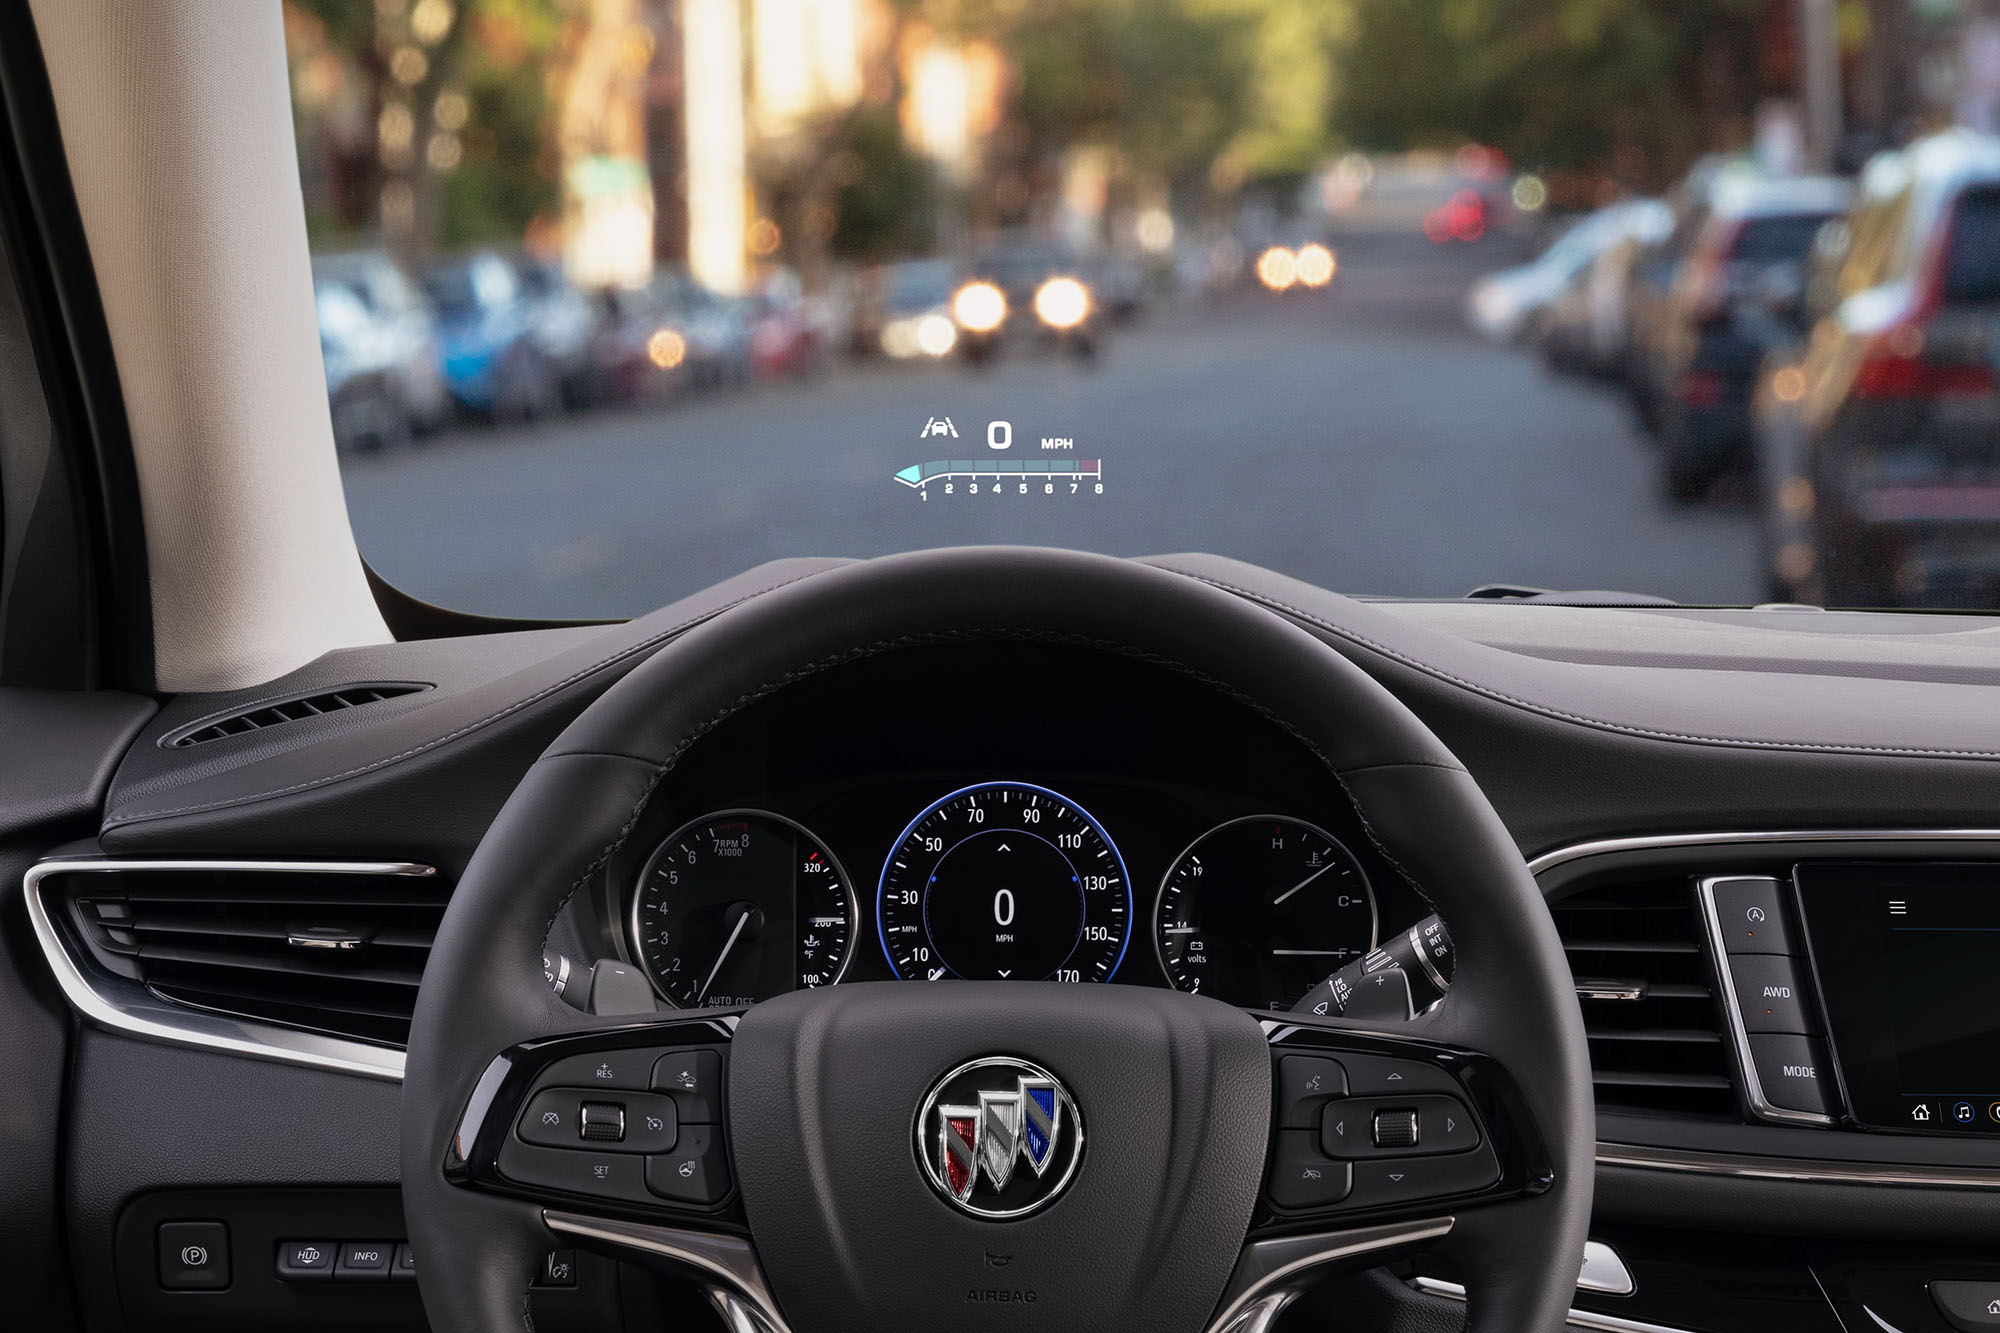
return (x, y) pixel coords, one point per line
(454, 147)
(1573, 83)
(883, 192)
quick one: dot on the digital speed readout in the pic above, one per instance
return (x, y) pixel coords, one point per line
(1004, 882)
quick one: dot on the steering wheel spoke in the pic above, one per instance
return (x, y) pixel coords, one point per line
(628, 1118)
(1369, 1127)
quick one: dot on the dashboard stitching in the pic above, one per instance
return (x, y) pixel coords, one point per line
(1623, 728)
(646, 645)
(846, 656)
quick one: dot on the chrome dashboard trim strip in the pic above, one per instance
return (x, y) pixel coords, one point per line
(1650, 1158)
(123, 1005)
(1578, 851)
(1749, 1079)
(1591, 1319)
(726, 1266)
(1269, 1274)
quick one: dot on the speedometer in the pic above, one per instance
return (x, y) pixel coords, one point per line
(1006, 882)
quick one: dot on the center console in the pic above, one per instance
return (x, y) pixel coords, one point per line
(1864, 994)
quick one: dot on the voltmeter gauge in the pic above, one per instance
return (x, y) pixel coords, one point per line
(1260, 910)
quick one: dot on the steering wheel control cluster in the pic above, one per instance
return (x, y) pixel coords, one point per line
(641, 1126)
(1366, 1131)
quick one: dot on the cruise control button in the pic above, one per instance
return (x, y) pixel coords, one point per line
(306, 1260)
(1788, 1067)
(696, 1171)
(364, 1260)
(594, 1172)
(1379, 1076)
(1386, 1181)
(694, 1079)
(1302, 1177)
(601, 1069)
(194, 1256)
(1752, 916)
(1768, 993)
(555, 1118)
(1305, 1082)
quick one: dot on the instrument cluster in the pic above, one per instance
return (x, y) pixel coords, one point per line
(997, 881)
(1147, 831)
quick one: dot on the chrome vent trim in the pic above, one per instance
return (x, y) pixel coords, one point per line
(125, 1005)
(1649, 1011)
(1755, 1167)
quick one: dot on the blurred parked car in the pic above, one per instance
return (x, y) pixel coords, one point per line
(1507, 305)
(718, 330)
(1879, 445)
(904, 311)
(1583, 330)
(486, 325)
(1737, 292)
(384, 373)
(641, 349)
(562, 321)
(786, 338)
(1650, 268)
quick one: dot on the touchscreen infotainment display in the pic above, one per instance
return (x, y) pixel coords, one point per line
(1908, 962)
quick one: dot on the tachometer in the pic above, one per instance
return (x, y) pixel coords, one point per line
(1260, 910)
(1004, 881)
(739, 906)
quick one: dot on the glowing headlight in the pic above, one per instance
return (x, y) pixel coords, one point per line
(979, 307)
(1315, 264)
(936, 335)
(1062, 303)
(666, 348)
(899, 338)
(1277, 269)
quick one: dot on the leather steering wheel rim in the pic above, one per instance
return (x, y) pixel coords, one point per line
(483, 992)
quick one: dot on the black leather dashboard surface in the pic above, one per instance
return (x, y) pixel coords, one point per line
(1744, 720)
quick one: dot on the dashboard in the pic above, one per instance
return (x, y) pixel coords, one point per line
(1634, 755)
(1028, 814)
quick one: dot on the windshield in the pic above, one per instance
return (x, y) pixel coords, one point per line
(1406, 298)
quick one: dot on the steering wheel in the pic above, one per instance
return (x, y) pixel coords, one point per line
(897, 1156)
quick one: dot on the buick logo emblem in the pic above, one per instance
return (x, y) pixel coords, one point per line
(999, 1137)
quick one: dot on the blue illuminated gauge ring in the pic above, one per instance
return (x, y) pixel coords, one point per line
(1004, 881)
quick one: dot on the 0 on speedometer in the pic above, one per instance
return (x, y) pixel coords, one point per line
(1004, 881)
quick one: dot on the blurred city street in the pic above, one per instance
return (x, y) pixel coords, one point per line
(1358, 437)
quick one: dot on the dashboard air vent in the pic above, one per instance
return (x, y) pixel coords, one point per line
(1649, 1009)
(277, 712)
(324, 947)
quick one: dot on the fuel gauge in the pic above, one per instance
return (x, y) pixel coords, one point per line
(1260, 910)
